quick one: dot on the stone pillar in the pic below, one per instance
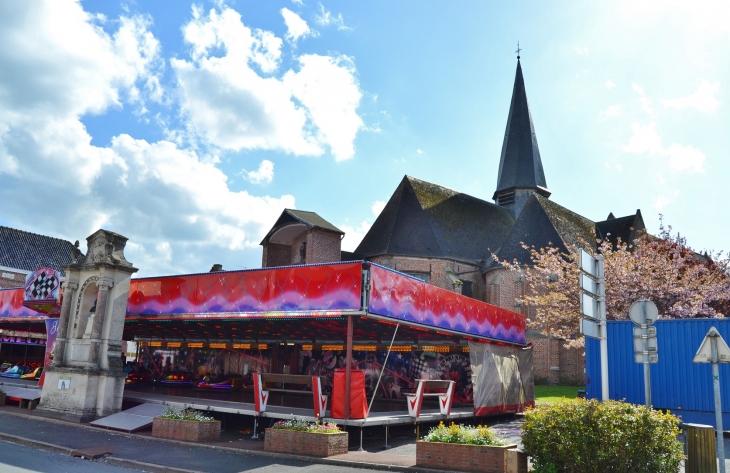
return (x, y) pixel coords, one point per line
(69, 289)
(99, 317)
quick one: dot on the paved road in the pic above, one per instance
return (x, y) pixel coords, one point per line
(20, 459)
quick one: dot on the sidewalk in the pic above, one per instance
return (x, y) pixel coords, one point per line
(142, 451)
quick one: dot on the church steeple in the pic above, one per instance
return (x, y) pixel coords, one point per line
(520, 167)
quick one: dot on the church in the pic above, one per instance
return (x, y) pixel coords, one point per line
(449, 239)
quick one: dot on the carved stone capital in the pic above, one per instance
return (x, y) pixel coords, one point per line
(70, 286)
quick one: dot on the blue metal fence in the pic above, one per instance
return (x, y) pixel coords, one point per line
(677, 384)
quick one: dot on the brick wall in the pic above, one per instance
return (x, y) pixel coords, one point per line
(9, 278)
(305, 443)
(436, 271)
(451, 456)
(323, 246)
(276, 255)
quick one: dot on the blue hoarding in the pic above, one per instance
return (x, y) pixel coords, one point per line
(677, 384)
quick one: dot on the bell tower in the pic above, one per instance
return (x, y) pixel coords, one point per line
(520, 166)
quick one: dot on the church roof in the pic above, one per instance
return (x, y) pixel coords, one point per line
(428, 220)
(29, 251)
(520, 165)
(544, 223)
(626, 228)
(309, 219)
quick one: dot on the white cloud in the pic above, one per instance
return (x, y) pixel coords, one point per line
(263, 175)
(419, 151)
(353, 235)
(231, 106)
(581, 50)
(660, 202)
(609, 84)
(645, 102)
(645, 140)
(702, 99)
(685, 157)
(174, 204)
(611, 111)
(297, 28)
(377, 207)
(326, 18)
(297, 2)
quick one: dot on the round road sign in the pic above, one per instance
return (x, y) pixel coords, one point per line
(643, 312)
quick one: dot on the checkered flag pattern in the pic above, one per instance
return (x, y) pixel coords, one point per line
(42, 287)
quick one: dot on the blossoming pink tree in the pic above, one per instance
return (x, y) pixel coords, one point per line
(681, 282)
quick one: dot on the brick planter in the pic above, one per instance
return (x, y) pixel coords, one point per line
(305, 443)
(483, 458)
(187, 430)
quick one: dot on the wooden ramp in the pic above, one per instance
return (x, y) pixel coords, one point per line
(131, 420)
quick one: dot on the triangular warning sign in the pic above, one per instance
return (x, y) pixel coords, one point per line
(704, 354)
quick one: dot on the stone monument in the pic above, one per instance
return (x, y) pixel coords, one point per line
(86, 379)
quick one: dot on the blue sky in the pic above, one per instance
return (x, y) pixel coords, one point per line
(189, 127)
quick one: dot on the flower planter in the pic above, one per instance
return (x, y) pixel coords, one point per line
(305, 443)
(187, 430)
(462, 457)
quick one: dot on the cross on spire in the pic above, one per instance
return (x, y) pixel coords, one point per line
(518, 50)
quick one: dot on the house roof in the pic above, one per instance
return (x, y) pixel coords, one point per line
(428, 220)
(309, 219)
(29, 251)
(520, 165)
(544, 223)
(626, 228)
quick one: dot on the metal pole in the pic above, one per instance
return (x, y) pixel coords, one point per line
(385, 363)
(647, 373)
(348, 366)
(718, 402)
(604, 328)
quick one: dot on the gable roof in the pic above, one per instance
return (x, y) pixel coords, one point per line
(29, 251)
(544, 223)
(626, 228)
(428, 220)
(520, 165)
(309, 219)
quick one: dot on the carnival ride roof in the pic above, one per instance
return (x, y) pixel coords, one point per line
(303, 303)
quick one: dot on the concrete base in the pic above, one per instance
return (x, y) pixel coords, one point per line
(81, 395)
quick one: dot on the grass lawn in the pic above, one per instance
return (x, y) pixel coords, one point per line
(551, 394)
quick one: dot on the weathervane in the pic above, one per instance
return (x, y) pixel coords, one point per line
(518, 50)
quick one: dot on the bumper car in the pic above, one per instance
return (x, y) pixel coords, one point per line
(176, 379)
(35, 374)
(140, 377)
(14, 372)
(230, 382)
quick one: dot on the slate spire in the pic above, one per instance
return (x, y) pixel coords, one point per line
(520, 167)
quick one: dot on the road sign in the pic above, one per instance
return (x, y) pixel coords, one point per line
(590, 329)
(588, 263)
(643, 312)
(589, 306)
(588, 284)
(704, 354)
(651, 345)
(653, 358)
(650, 331)
(714, 350)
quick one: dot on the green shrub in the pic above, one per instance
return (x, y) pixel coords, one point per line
(463, 434)
(581, 436)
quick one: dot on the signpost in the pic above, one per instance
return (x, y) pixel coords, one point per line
(714, 350)
(644, 313)
(593, 307)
